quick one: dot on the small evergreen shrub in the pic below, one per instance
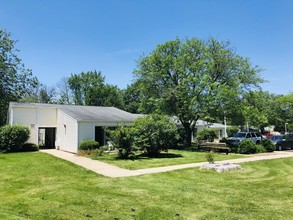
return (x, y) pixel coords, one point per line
(268, 145)
(247, 147)
(88, 145)
(12, 137)
(210, 156)
(208, 134)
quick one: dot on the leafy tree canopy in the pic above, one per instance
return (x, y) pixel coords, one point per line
(192, 78)
(89, 88)
(14, 78)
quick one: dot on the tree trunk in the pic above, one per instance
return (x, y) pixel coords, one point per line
(187, 136)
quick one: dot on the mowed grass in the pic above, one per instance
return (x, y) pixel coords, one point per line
(172, 157)
(39, 186)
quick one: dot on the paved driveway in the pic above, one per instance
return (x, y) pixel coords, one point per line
(114, 171)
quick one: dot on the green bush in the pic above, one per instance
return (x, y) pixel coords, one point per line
(260, 149)
(88, 145)
(247, 147)
(12, 137)
(155, 133)
(234, 148)
(30, 147)
(268, 145)
(231, 130)
(122, 139)
(208, 134)
(210, 156)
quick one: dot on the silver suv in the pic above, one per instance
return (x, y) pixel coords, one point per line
(241, 136)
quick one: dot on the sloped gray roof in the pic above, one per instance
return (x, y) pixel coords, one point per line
(95, 113)
(87, 113)
(211, 125)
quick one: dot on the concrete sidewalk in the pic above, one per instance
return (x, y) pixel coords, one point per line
(114, 171)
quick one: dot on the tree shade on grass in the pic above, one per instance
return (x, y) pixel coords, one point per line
(39, 186)
(172, 157)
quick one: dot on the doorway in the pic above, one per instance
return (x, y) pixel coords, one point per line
(100, 135)
(47, 138)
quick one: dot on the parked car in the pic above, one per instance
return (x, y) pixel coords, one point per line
(241, 136)
(275, 138)
(285, 143)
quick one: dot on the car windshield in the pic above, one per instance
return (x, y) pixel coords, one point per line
(240, 135)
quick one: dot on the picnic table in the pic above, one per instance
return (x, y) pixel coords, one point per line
(213, 146)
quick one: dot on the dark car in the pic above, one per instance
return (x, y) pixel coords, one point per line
(285, 143)
(275, 138)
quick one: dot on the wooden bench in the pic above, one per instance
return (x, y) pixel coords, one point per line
(219, 147)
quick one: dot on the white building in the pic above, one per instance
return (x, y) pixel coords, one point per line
(65, 126)
(221, 128)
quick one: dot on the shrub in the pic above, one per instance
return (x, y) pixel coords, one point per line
(12, 137)
(247, 147)
(210, 156)
(88, 145)
(30, 147)
(268, 145)
(233, 147)
(155, 133)
(122, 139)
(208, 134)
(260, 149)
(232, 130)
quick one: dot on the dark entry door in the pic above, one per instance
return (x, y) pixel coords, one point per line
(47, 137)
(100, 135)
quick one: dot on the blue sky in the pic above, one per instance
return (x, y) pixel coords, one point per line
(60, 37)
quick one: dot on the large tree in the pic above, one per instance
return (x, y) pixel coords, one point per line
(14, 78)
(89, 88)
(191, 78)
(132, 97)
(283, 113)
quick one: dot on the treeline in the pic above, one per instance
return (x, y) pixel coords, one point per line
(191, 79)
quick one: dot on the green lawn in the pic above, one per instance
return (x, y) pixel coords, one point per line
(173, 157)
(39, 186)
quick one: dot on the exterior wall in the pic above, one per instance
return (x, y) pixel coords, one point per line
(86, 131)
(34, 118)
(66, 135)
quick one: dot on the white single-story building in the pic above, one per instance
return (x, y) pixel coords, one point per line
(221, 128)
(200, 125)
(66, 126)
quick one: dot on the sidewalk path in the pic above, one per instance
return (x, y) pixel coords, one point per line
(114, 171)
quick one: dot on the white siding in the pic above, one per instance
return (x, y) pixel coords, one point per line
(34, 118)
(86, 131)
(67, 130)
(26, 117)
(47, 117)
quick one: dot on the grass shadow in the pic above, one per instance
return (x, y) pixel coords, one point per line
(144, 156)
